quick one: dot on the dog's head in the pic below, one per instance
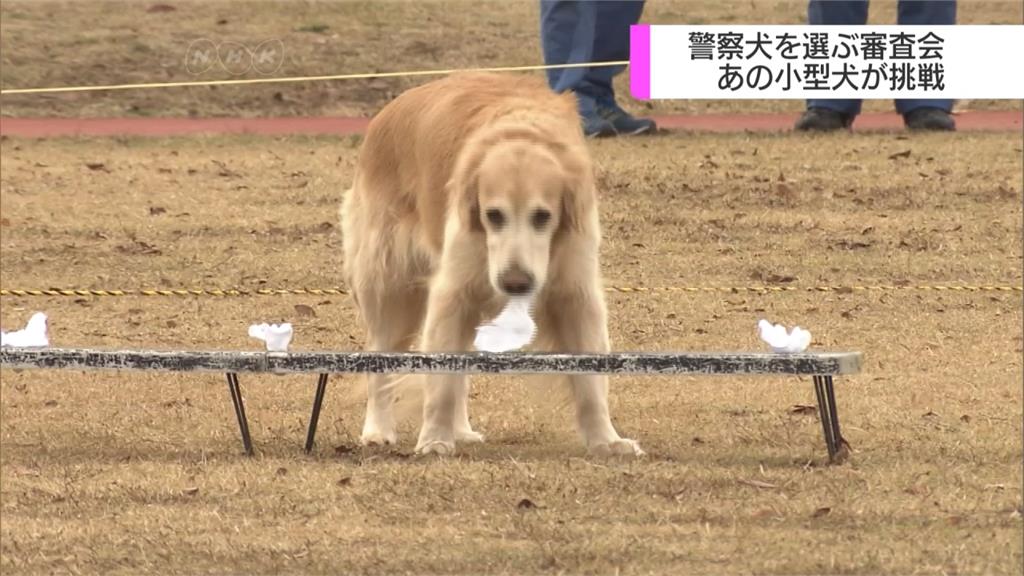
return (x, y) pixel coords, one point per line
(522, 194)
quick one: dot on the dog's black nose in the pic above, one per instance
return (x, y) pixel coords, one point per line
(516, 282)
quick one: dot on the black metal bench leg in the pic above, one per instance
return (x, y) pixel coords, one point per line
(838, 448)
(318, 401)
(823, 409)
(243, 422)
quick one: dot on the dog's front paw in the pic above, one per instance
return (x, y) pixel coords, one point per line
(439, 447)
(620, 447)
(378, 438)
(469, 436)
(374, 434)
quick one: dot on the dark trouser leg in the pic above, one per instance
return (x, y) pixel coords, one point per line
(837, 12)
(926, 13)
(611, 44)
(567, 37)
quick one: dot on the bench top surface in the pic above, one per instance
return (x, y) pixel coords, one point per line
(653, 363)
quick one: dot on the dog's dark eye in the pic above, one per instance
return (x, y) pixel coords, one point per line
(495, 217)
(540, 218)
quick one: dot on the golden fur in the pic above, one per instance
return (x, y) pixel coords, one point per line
(469, 189)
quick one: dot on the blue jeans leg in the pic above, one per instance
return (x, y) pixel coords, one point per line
(614, 17)
(925, 13)
(567, 37)
(837, 12)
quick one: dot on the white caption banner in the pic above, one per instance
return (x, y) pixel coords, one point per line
(801, 62)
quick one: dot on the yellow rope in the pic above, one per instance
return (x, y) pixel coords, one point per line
(308, 78)
(619, 289)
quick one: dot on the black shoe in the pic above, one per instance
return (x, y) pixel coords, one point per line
(928, 118)
(823, 120)
(624, 123)
(594, 126)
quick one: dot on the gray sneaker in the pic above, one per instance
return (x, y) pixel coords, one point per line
(929, 119)
(594, 126)
(823, 120)
(624, 123)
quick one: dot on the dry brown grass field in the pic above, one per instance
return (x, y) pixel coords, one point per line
(48, 43)
(143, 473)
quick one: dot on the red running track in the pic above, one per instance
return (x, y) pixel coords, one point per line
(1000, 121)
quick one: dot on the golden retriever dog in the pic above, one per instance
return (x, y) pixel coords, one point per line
(469, 190)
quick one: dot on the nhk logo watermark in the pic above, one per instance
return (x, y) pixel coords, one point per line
(235, 58)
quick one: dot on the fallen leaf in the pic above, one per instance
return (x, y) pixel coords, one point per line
(780, 279)
(783, 189)
(965, 419)
(190, 491)
(915, 490)
(904, 154)
(224, 170)
(821, 512)
(697, 440)
(96, 166)
(758, 484)
(139, 247)
(526, 504)
(305, 310)
(154, 210)
(929, 414)
(344, 481)
(852, 244)
(50, 403)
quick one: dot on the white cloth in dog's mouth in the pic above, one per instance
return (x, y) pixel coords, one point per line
(276, 336)
(33, 335)
(510, 330)
(781, 341)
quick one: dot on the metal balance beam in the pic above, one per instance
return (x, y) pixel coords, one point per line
(821, 366)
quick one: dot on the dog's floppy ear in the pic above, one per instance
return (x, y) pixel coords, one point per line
(578, 194)
(464, 192)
